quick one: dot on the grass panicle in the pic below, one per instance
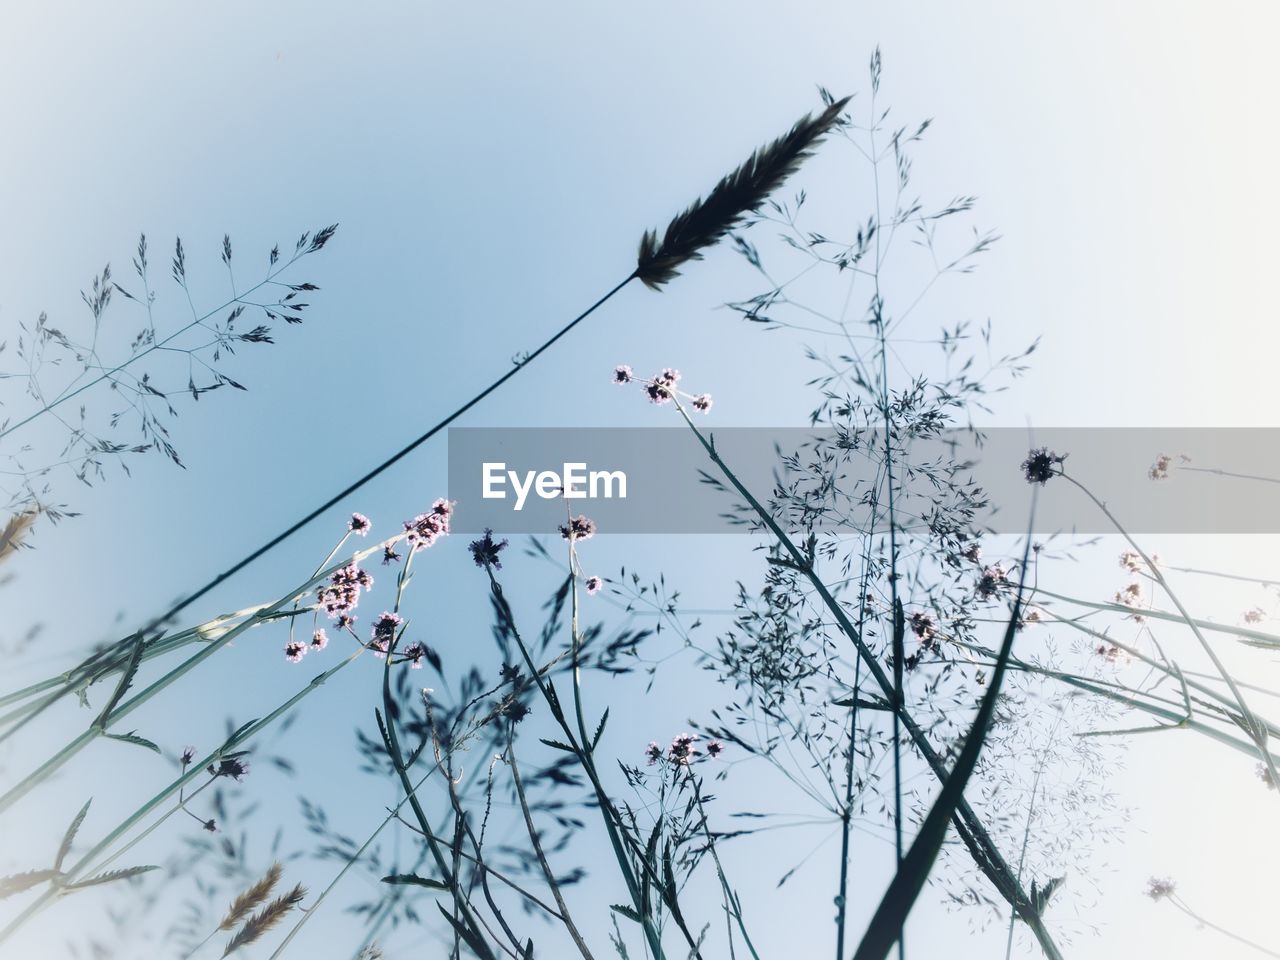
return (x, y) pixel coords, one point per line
(708, 221)
(258, 925)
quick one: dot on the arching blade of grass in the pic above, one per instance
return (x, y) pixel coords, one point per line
(886, 925)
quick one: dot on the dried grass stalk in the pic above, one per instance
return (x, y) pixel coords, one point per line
(14, 532)
(741, 192)
(265, 919)
(251, 899)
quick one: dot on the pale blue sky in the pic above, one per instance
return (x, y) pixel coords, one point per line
(493, 167)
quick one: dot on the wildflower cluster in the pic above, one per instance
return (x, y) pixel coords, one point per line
(662, 387)
(423, 530)
(578, 528)
(683, 751)
(1158, 888)
(994, 579)
(342, 594)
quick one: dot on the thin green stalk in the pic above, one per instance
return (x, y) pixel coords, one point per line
(1255, 638)
(1255, 729)
(986, 854)
(532, 830)
(730, 896)
(608, 812)
(1181, 905)
(351, 861)
(240, 737)
(102, 724)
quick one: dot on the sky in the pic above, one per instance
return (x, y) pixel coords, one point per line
(492, 168)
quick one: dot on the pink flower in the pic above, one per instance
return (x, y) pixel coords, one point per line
(319, 640)
(594, 584)
(702, 403)
(294, 651)
(359, 524)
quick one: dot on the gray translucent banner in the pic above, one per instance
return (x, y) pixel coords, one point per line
(654, 480)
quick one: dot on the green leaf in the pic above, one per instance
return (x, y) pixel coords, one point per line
(558, 745)
(126, 679)
(133, 738)
(471, 938)
(600, 729)
(627, 912)
(414, 880)
(69, 837)
(886, 924)
(111, 876)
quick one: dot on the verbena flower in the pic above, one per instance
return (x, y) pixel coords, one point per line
(233, 767)
(992, 581)
(319, 639)
(342, 594)
(294, 651)
(1039, 465)
(188, 754)
(682, 751)
(579, 528)
(1131, 560)
(594, 584)
(1255, 615)
(1158, 888)
(423, 530)
(653, 752)
(714, 749)
(384, 631)
(485, 551)
(389, 555)
(702, 403)
(622, 374)
(922, 625)
(414, 654)
(359, 524)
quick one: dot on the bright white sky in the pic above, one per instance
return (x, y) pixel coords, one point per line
(493, 168)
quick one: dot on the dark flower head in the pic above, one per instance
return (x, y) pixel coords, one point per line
(993, 579)
(622, 374)
(653, 751)
(319, 640)
(1039, 465)
(594, 584)
(714, 749)
(683, 751)
(1158, 888)
(424, 529)
(232, 767)
(702, 403)
(579, 528)
(188, 754)
(669, 377)
(210, 825)
(389, 555)
(658, 392)
(414, 654)
(359, 524)
(345, 622)
(342, 594)
(485, 550)
(922, 625)
(384, 628)
(294, 651)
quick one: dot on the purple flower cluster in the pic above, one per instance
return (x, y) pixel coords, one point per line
(423, 530)
(662, 387)
(384, 631)
(485, 551)
(359, 524)
(342, 594)
(578, 528)
(682, 752)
